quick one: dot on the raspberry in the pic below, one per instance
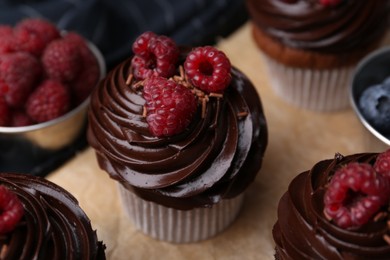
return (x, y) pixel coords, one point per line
(61, 60)
(170, 106)
(5, 117)
(19, 72)
(87, 79)
(8, 44)
(330, 2)
(140, 45)
(35, 34)
(154, 56)
(11, 210)
(355, 193)
(208, 69)
(48, 101)
(6, 30)
(382, 163)
(20, 118)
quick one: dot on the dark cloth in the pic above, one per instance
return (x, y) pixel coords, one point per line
(113, 24)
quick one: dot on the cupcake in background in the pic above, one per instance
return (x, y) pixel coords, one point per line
(40, 220)
(311, 47)
(183, 133)
(340, 209)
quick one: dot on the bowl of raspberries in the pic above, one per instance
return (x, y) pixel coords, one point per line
(46, 77)
(370, 98)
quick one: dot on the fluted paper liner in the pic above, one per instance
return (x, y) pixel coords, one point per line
(313, 89)
(179, 226)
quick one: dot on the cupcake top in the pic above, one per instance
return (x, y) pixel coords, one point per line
(337, 210)
(211, 147)
(41, 220)
(321, 25)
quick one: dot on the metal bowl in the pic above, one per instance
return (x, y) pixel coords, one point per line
(28, 148)
(373, 69)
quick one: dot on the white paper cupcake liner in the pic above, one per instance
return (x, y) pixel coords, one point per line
(319, 90)
(179, 226)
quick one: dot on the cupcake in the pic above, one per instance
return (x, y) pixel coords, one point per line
(340, 209)
(40, 220)
(311, 47)
(183, 133)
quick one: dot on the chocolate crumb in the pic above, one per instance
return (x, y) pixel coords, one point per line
(3, 251)
(380, 216)
(217, 95)
(203, 107)
(386, 238)
(181, 71)
(144, 112)
(129, 79)
(242, 114)
(138, 84)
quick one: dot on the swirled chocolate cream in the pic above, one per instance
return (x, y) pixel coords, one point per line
(40, 220)
(178, 127)
(340, 209)
(334, 33)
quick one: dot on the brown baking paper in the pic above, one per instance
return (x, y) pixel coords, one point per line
(297, 139)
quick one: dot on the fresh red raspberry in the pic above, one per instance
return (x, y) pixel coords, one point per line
(11, 210)
(170, 106)
(6, 30)
(19, 72)
(5, 113)
(158, 58)
(8, 44)
(61, 60)
(355, 194)
(49, 100)
(141, 44)
(20, 118)
(382, 163)
(330, 2)
(34, 35)
(89, 75)
(208, 69)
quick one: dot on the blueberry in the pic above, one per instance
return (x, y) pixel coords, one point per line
(374, 104)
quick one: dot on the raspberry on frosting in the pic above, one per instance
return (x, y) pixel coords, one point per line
(170, 106)
(172, 89)
(355, 194)
(154, 55)
(11, 210)
(208, 69)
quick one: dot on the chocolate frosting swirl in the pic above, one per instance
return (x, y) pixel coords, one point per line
(216, 157)
(53, 225)
(303, 232)
(307, 24)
